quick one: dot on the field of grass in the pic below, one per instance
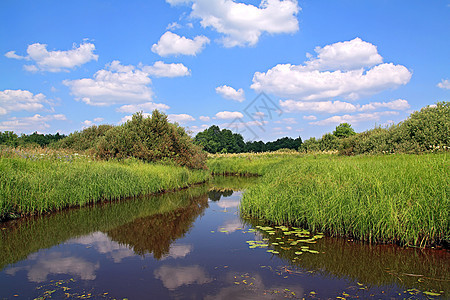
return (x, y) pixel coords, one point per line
(393, 198)
(37, 182)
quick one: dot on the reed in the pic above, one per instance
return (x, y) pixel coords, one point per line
(37, 182)
(392, 198)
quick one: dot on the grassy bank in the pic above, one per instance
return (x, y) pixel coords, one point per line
(41, 182)
(396, 198)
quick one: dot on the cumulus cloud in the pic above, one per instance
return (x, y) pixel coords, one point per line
(17, 100)
(205, 118)
(353, 119)
(333, 107)
(161, 69)
(349, 74)
(224, 115)
(243, 24)
(180, 118)
(444, 84)
(56, 61)
(56, 263)
(172, 44)
(148, 106)
(116, 84)
(230, 93)
(30, 124)
(104, 245)
(348, 55)
(175, 277)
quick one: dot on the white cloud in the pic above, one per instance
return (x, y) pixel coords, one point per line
(56, 263)
(88, 123)
(302, 84)
(175, 277)
(348, 55)
(148, 106)
(181, 118)
(310, 118)
(104, 245)
(224, 115)
(17, 100)
(398, 104)
(161, 69)
(56, 61)
(353, 119)
(172, 44)
(321, 106)
(333, 107)
(243, 24)
(444, 84)
(116, 84)
(12, 54)
(30, 124)
(196, 129)
(205, 119)
(348, 79)
(173, 25)
(179, 251)
(30, 68)
(230, 93)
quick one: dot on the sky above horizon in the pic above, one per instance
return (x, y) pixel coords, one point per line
(265, 69)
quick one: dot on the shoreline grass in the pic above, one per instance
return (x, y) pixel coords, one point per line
(400, 199)
(37, 183)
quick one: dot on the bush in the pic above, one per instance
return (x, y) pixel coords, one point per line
(84, 140)
(151, 139)
(423, 131)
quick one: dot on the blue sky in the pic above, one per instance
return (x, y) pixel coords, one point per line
(66, 65)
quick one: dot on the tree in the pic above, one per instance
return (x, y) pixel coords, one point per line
(344, 130)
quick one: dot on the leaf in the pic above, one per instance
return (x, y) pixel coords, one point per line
(431, 294)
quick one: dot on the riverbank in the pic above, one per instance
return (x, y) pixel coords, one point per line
(39, 182)
(400, 199)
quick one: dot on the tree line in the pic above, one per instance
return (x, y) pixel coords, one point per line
(11, 139)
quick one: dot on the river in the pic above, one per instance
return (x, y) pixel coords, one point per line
(193, 244)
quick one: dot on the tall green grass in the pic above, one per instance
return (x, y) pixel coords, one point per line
(37, 184)
(397, 198)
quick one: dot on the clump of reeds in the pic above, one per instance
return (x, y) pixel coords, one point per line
(32, 182)
(398, 198)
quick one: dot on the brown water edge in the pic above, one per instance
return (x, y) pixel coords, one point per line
(373, 264)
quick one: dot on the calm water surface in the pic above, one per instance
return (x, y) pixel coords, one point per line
(193, 244)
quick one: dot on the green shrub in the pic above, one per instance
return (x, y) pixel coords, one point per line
(151, 139)
(426, 130)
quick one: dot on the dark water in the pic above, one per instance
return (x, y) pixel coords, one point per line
(192, 244)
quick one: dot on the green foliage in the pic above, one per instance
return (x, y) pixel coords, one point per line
(83, 140)
(310, 145)
(151, 139)
(214, 140)
(343, 130)
(11, 139)
(424, 131)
